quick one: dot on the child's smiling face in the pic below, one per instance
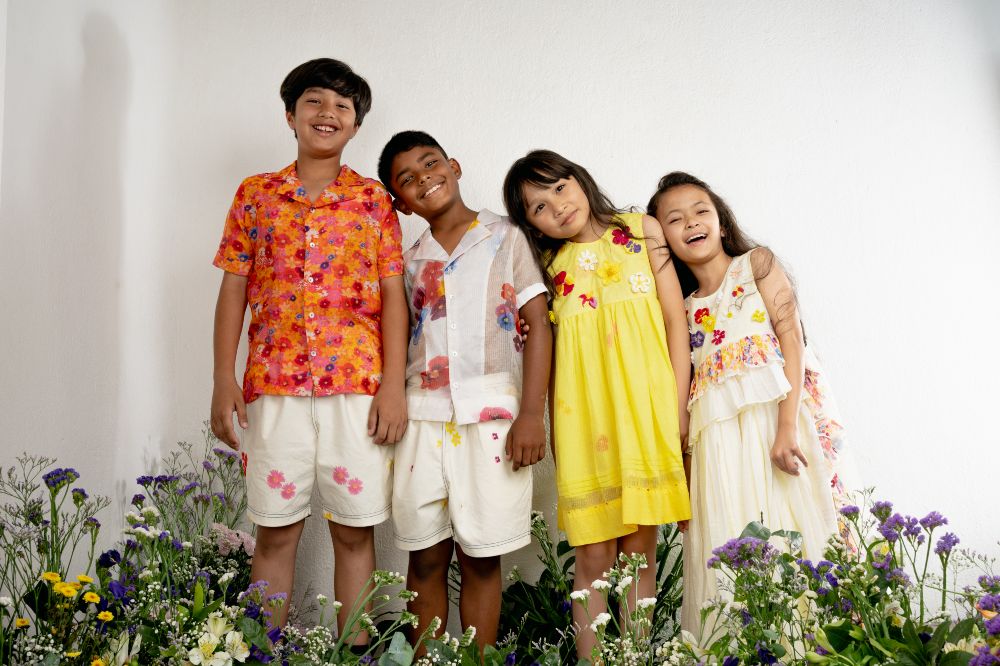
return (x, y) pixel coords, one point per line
(559, 210)
(323, 121)
(425, 181)
(690, 223)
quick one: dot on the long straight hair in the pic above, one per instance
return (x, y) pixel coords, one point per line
(542, 168)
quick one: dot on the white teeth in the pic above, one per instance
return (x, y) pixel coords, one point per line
(696, 238)
(325, 128)
(432, 190)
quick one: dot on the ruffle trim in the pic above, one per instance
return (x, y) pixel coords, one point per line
(726, 399)
(735, 358)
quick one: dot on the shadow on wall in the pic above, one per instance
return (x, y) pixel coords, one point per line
(84, 190)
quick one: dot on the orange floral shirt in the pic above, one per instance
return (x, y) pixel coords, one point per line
(313, 272)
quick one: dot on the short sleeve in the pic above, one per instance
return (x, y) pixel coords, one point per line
(390, 248)
(235, 254)
(528, 280)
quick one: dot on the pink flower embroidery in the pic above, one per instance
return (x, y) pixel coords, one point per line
(340, 475)
(436, 374)
(494, 414)
(496, 436)
(288, 491)
(275, 479)
(496, 458)
(718, 336)
(355, 486)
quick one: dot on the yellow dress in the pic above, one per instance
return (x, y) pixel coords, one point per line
(618, 454)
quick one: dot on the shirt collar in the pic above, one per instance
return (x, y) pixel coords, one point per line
(428, 249)
(340, 189)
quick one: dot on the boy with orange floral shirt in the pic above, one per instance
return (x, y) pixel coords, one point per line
(315, 251)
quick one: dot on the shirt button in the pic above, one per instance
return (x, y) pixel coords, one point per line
(312, 244)
(312, 314)
(312, 353)
(453, 326)
(309, 279)
(454, 353)
(456, 386)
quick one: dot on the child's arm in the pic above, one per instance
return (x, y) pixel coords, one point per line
(387, 417)
(668, 289)
(779, 299)
(526, 439)
(227, 396)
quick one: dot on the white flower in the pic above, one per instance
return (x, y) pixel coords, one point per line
(145, 574)
(599, 621)
(186, 545)
(221, 659)
(337, 605)
(601, 584)
(321, 598)
(132, 518)
(646, 602)
(226, 577)
(640, 283)
(623, 585)
(203, 653)
(6, 602)
(236, 646)
(579, 595)
(587, 260)
(218, 626)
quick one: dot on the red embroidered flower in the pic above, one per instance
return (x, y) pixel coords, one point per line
(738, 291)
(619, 237)
(243, 462)
(563, 283)
(718, 336)
(588, 300)
(507, 292)
(326, 381)
(494, 414)
(700, 314)
(436, 374)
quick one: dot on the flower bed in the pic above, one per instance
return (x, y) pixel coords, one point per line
(176, 590)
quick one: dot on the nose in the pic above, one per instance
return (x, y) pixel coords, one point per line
(423, 177)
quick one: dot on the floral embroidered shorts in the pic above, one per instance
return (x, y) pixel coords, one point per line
(455, 481)
(296, 444)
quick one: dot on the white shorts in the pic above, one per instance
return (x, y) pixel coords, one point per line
(455, 481)
(294, 443)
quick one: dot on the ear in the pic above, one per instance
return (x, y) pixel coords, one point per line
(401, 206)
(456, 167)
(290, 119)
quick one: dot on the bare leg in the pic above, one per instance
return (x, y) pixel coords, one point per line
(274, 562)
(643, 540)
(592, 560)
(354, 563)
(427, 575)
(479, 603)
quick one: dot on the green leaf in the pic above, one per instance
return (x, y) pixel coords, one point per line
(839, 635)
(962, 630)
(955, 658)
(255, 634)
(757, 530)
(199, 597)
(399, 652)
(563, 548)
(51, 659)
(934, 645)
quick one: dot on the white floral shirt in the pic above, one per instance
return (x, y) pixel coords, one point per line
(464, 358)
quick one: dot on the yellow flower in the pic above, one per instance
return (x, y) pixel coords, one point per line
(98, 662)
(51, 576)
(91, 597)
(708, 323)
(65, 589)
(758, 316)
(22, 622)
(105, 616)
(552, 316)
(84, 579)
(74, 653)
(609, 272)
(74, 585)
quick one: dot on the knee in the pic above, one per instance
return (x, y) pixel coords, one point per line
(480, 568)
(352, 539)
(595, 558)
(430, 564)
(277, 540)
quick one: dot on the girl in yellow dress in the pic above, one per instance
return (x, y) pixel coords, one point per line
(620, 379)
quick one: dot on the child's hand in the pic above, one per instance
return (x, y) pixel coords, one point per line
(683, 525)
(526, 440)
(523, 327)
(785, 453)
(227, 397)
(387, 416)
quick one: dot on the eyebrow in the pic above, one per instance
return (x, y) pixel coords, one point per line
(406, 170)
(696, 203)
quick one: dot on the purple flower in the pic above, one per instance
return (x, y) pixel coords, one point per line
(60, 477)
(932, 520)
(897, 575)
(744, 553)
(92, 523)
(993, 626)
(764, 654)
(79, 496)
(108, 559)
(184, 490)
(229, 454)
(697, 339)
(822, 591)
(138, 499)
(820, 650)
(832, 580)
(745, 617)
(177, 545)
(144, 480)
(984, 657)
(511, 659)
(731, 661)
(207, 464)
(846, 606)
(911, 527)
(882, 510)
(989, 582)
(990, 602)
(117, 590)
(891, 527)
(850, 511)
(946, 543)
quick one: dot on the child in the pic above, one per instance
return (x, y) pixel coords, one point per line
(760, 445)
(616, 422)
(315, 251)
(476, 424)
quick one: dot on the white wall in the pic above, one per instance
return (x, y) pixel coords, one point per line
(860, 139)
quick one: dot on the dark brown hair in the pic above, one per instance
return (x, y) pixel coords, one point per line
(735, 241)
(330, 74)
(541, 168)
